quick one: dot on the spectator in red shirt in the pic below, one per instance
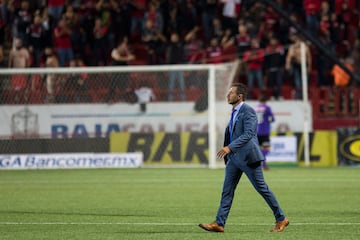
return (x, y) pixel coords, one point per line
(193, 46)
(312, 8)
(255, 60)
(63, 46)
(214, 52)
(339, 5)
(345, 19)
(271, 19)
(55, 8)
(78, 82)
(242, 42)
(325, 24)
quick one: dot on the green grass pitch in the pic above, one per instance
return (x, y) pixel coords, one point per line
(168, 204)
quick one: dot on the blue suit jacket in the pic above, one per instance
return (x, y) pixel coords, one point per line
(245, 145)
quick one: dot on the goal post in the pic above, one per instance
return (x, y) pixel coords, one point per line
(44, 104)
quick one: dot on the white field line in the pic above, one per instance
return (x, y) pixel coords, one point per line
(170, 181)
(173, 224)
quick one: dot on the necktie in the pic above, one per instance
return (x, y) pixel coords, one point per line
(231, 123)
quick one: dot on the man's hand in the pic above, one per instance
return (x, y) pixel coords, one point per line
(223, 152)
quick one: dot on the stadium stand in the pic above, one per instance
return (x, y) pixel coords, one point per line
(335, 24)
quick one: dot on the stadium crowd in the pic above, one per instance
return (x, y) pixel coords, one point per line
(61, 33)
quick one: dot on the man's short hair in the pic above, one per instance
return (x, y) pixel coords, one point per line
(240, 89)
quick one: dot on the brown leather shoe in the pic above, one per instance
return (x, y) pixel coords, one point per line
(212, 227)
(281, 225)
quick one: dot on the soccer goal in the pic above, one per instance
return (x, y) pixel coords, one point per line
(173, 114)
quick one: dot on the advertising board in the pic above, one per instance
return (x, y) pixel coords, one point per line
(73, 160)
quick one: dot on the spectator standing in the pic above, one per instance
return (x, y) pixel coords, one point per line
(138, 8)
(153, 40)
(69, 15)
(47, 23)
(174, 22)
(312, 8)
(78, 82)
(22, 22)
(100, 43)
(193, 46)
(188, 15)
(51, 61)
(345, 20)
(293, 63)
(265, 117)
(120, 56)
(255, 61)
(19, 57)
(3, 21)
(104, 10)
(216, 29)
(230, 13)
(155, 17)
(2, 78)
(271, 20)
(323, 64)
(174, 55)
(36, 39)
(242, 42)
(334, 29)
(78, 37)
(214, 52)
(55, 9)
(274, 61)
(325, 8)
(342, 78)
(119, 16)
(62, 34)
(356, 57)
(209, 14)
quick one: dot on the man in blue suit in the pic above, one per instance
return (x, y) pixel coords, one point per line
(242, 154)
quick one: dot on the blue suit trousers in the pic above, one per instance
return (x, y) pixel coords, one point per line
(233, 172)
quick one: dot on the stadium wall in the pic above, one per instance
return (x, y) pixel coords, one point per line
(166, 134)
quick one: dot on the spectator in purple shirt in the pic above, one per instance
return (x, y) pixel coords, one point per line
(265, 118)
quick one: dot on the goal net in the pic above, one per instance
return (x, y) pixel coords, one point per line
(173, 114)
